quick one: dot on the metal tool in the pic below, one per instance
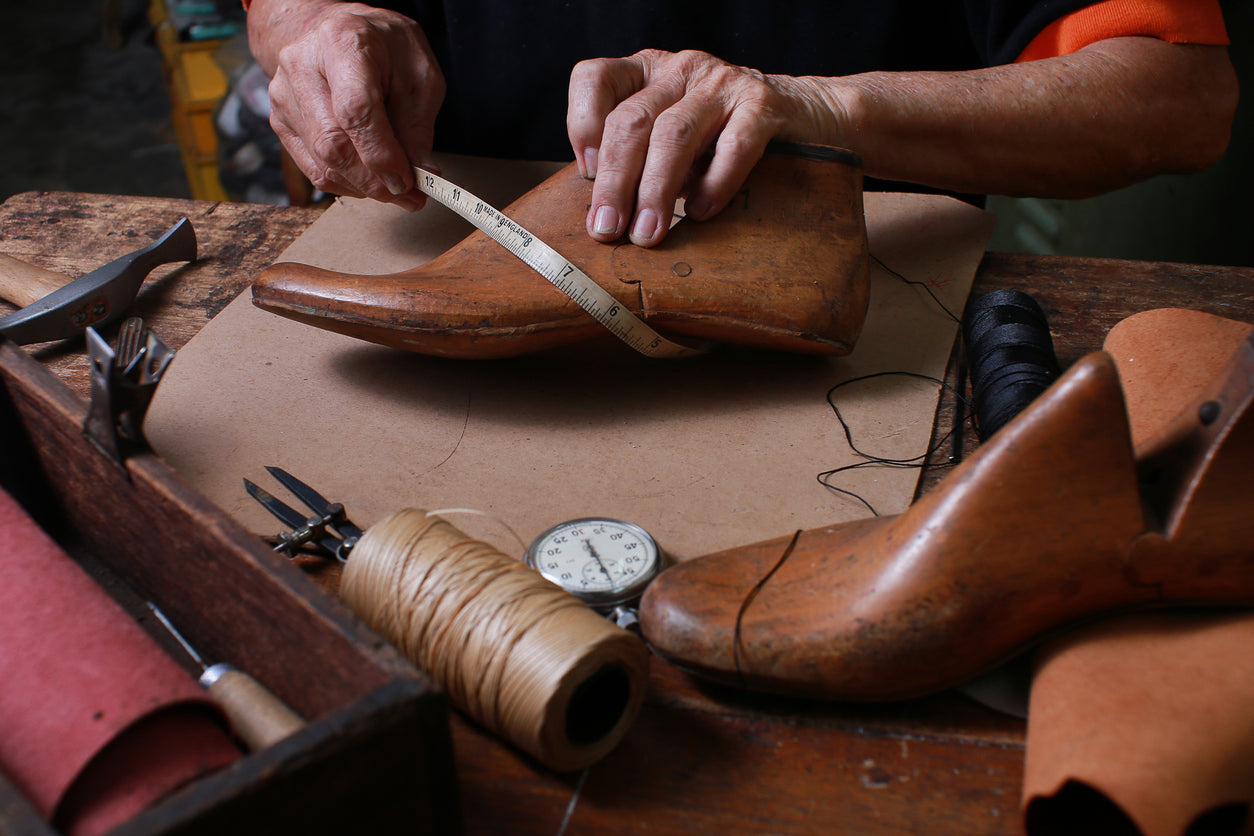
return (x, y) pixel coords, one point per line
(122, 385)
(329, 529)
(100, 297)
(257, 716)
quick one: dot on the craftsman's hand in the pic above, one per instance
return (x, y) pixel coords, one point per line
(354, 101)
(658, 125)
(646, 126)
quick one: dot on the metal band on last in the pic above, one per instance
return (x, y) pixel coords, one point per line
(549, 263)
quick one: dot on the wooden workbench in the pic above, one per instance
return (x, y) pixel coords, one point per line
(700, 758)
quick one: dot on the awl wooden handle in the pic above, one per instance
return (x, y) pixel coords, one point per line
(257, 716)
(24, 284)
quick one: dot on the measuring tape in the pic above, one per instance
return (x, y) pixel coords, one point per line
(549, 263)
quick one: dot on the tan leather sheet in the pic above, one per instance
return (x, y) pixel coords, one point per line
(706, 453)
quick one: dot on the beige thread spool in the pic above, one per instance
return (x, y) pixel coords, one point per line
(526, 659)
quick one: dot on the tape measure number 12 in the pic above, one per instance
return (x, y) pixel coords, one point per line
(549, 263)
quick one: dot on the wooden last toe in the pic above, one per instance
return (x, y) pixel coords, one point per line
(760, 616)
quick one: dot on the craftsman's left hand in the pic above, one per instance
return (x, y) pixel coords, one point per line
(659, 125)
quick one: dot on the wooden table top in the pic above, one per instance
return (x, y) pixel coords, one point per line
(700, 758)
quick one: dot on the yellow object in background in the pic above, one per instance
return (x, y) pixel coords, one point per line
(196, 84)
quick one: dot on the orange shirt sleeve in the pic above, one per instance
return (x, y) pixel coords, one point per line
(1176, 21)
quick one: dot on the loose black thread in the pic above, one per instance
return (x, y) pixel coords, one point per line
(871, 460)
(753, 593)
(918, 283)
(879, 461)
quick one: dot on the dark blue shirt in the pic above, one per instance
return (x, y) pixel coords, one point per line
(507, 62)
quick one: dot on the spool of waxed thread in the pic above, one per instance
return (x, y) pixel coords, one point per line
(1010, 356)
(526, 659)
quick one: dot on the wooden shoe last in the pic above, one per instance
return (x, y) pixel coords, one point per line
(1052, 522)
(784, 267)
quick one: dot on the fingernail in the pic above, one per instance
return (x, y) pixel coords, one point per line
(394, 184)
(590, 163)
(605, 221)
(645, 228)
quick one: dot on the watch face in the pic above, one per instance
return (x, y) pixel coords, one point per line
(602, 561)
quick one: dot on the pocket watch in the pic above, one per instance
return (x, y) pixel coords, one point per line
(604, 562)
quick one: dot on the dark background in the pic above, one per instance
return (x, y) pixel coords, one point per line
(83, 107)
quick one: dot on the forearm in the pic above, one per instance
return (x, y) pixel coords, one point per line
(1107, 116)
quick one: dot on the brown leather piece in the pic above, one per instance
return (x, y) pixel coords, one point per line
(1145, 716)
(1044, 527)
(785, 267)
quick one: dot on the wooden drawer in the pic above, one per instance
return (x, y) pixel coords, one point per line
(375, 756)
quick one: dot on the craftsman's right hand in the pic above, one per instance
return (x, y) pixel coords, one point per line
(354, 101)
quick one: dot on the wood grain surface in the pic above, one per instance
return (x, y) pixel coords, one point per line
(701, 758)
(74, 233)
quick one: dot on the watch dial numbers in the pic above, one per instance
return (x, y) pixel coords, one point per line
(595, 557)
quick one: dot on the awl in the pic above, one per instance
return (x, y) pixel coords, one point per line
(257, 716)
(96, 299)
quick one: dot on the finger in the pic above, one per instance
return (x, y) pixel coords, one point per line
(625, 148)
(620, 162)
(374, 160)
(414, 98)
(307, 142)
(312, 169)
(301, 108)
(738, 149)
(596, 87)
(677, 141)
(299, 126)
(680, 135)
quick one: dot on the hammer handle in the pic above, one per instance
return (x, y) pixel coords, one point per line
(24, 284)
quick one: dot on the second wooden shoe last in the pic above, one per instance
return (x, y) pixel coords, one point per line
(1054, 521)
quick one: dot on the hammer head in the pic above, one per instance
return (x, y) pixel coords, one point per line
(101, 296)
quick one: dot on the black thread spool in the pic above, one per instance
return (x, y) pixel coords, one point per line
(1010, 356)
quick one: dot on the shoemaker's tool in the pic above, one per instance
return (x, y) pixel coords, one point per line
(53, 310)
(328, 530)
(257, 716)
(519, 654)
(1056, 520)
(795, 234)
(123, 381)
